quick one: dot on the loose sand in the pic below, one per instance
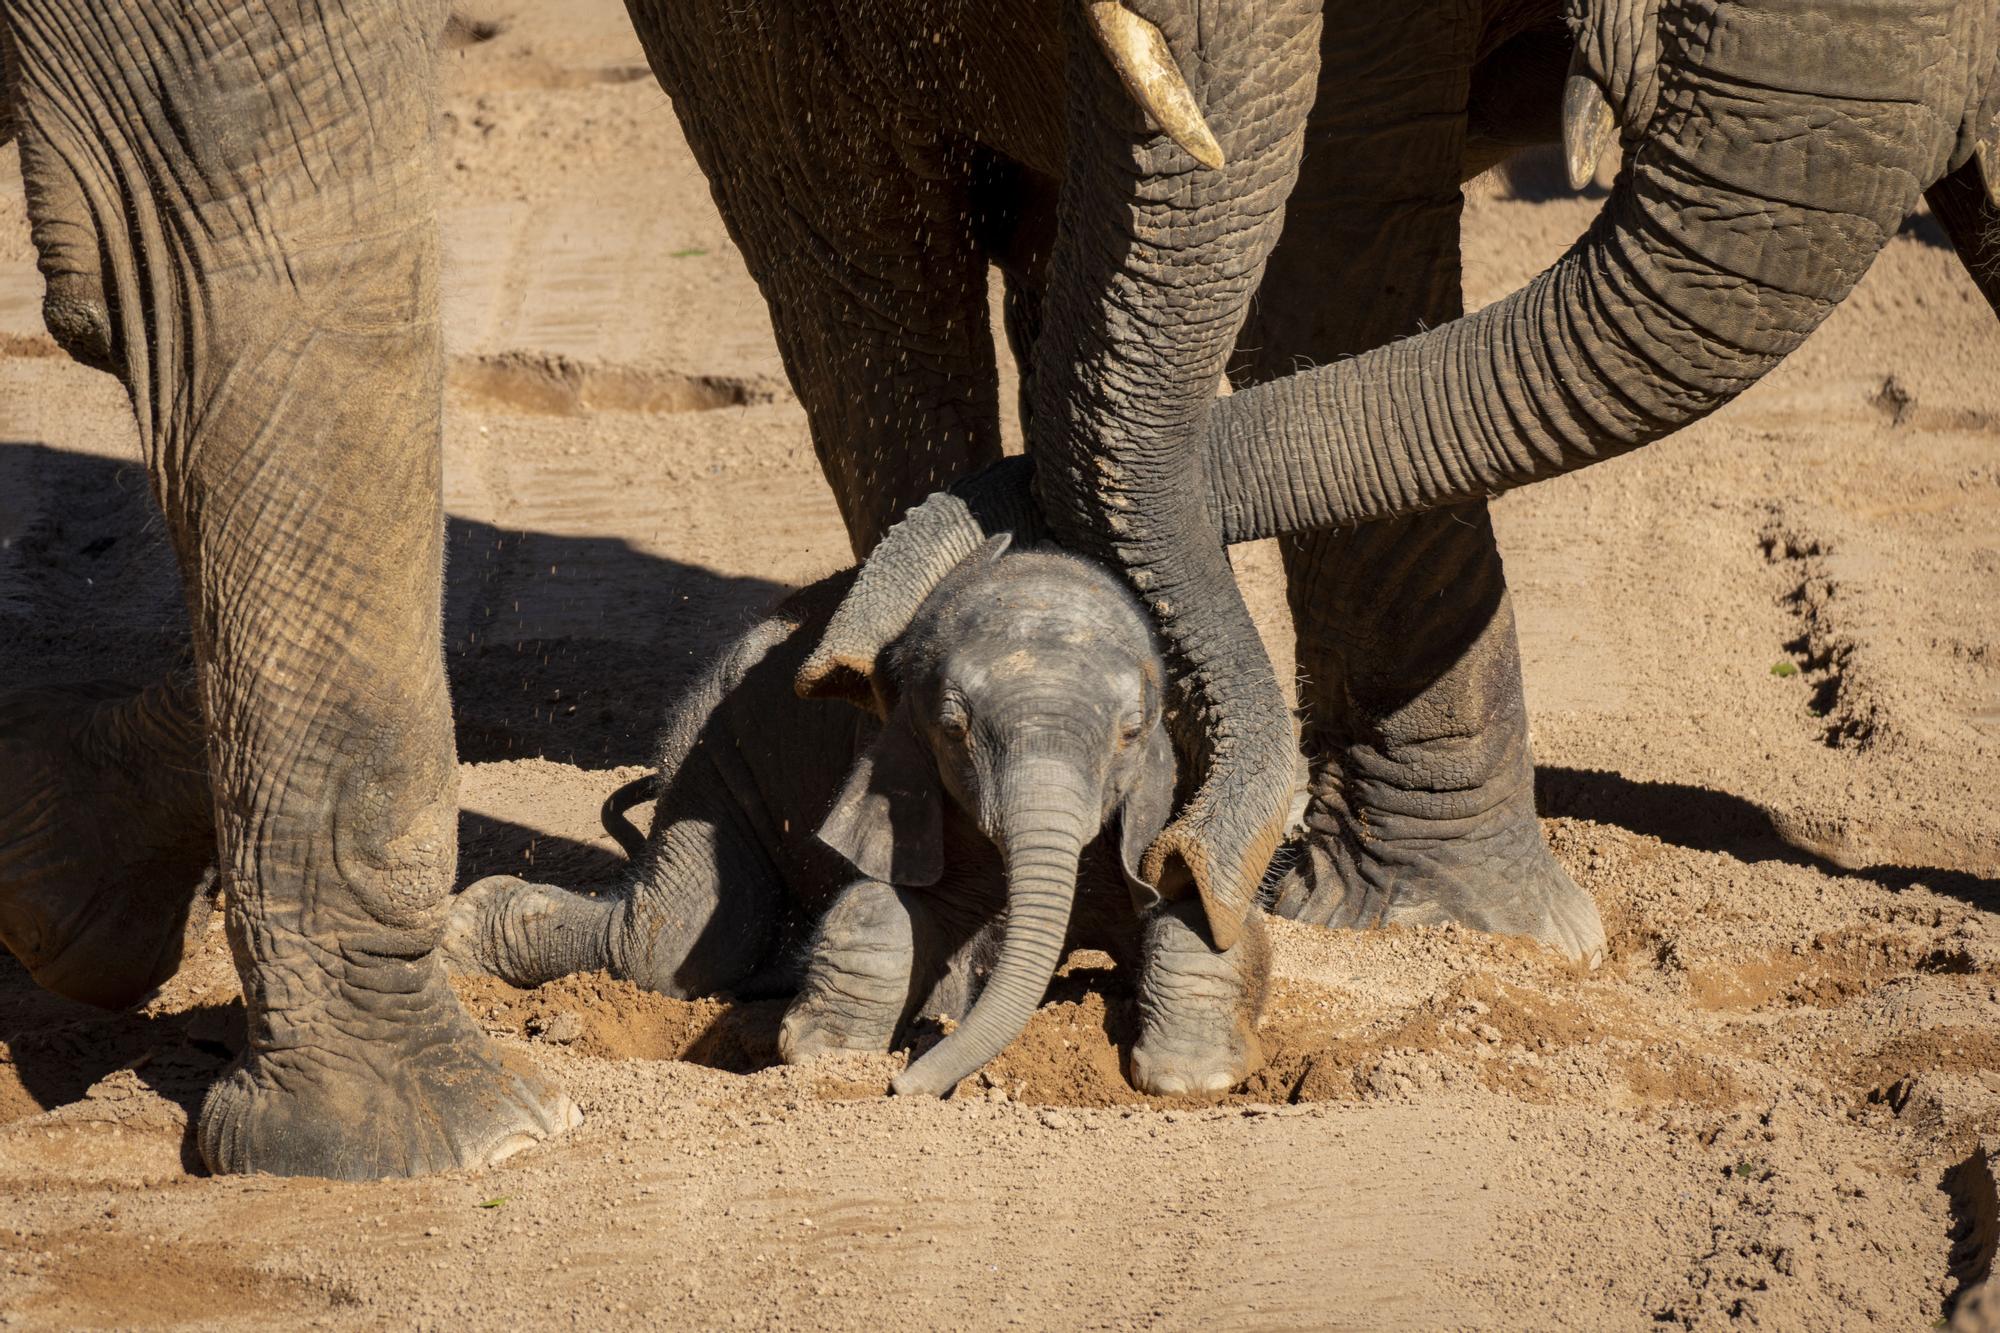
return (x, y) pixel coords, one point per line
(1763, 662)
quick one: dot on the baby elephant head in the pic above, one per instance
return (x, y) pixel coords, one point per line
(1026, 690)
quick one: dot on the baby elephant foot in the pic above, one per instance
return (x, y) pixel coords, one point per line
(527, 934)
(404, 1092)
(857, 983)
(1198, 1008)
(1501, 879)
(106, 835)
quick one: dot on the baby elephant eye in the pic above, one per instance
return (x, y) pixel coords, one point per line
(953, 720)
(1130, 726)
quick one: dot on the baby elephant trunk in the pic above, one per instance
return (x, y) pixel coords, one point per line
(1046, 812)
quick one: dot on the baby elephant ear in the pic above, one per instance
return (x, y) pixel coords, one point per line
(904, 568)
(1147, 807)
(888, 821)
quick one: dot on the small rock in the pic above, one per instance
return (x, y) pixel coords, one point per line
(1054, 1119)
(561, 1029)
(1895, 401)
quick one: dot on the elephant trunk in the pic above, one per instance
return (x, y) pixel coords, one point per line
(1784, 153)
(1044, 816)
(1154, 266)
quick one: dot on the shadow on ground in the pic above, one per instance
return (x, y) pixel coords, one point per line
(1704, 820)
(558, 647)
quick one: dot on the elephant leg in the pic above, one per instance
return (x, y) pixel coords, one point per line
(700, 912)
(1422, 793)
(528, 934)
(336, 786)
(859, 976)
(898, 379)
(857, 219)
(707, 911)
(1198, 1006)
(106, 835)
(234, 205)
(1422, 804)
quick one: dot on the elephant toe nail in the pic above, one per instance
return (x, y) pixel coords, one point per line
(510, 1146)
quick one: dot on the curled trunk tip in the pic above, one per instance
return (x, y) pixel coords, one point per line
(1186, 854)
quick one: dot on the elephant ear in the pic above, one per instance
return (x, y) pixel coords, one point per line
(912, 558)
(888, 820)
(1148, 805)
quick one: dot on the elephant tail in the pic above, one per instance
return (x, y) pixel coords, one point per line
(636, 792)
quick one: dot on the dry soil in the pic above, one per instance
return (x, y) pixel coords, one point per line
(1763, 661)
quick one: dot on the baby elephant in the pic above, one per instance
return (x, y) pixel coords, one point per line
(984, 812)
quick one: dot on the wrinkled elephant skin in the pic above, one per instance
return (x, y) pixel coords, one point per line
(982, 815)
(1133, 218)
(232, 207)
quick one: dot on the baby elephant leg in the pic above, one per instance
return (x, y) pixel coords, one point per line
(858, 981)
(700, 910)
(527, 934)
(1198, 1008)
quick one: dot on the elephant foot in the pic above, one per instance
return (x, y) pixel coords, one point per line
(857, 984)
(1164, 1065)
(107, 836)
(1198, 1007)
(527, 934)
(1503, 881)
(433, 1094)
(810, 1031)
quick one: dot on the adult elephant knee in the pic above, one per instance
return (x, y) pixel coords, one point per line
(233, 205)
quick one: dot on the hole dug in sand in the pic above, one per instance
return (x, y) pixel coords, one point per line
(1477, 1032)
(560, 386)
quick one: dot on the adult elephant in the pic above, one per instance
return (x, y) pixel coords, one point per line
(1128, 165)
(1774, 147)
(233, 211)
(232, 204)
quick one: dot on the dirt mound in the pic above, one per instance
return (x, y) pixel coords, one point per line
(599, 1016)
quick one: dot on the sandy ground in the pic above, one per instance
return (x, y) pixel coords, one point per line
(1764, 667)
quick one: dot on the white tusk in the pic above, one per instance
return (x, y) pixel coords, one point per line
(1588, 128)
(1988, 153)
(1139, 53)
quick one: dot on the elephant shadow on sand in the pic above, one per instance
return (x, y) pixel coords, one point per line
(574, 666)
